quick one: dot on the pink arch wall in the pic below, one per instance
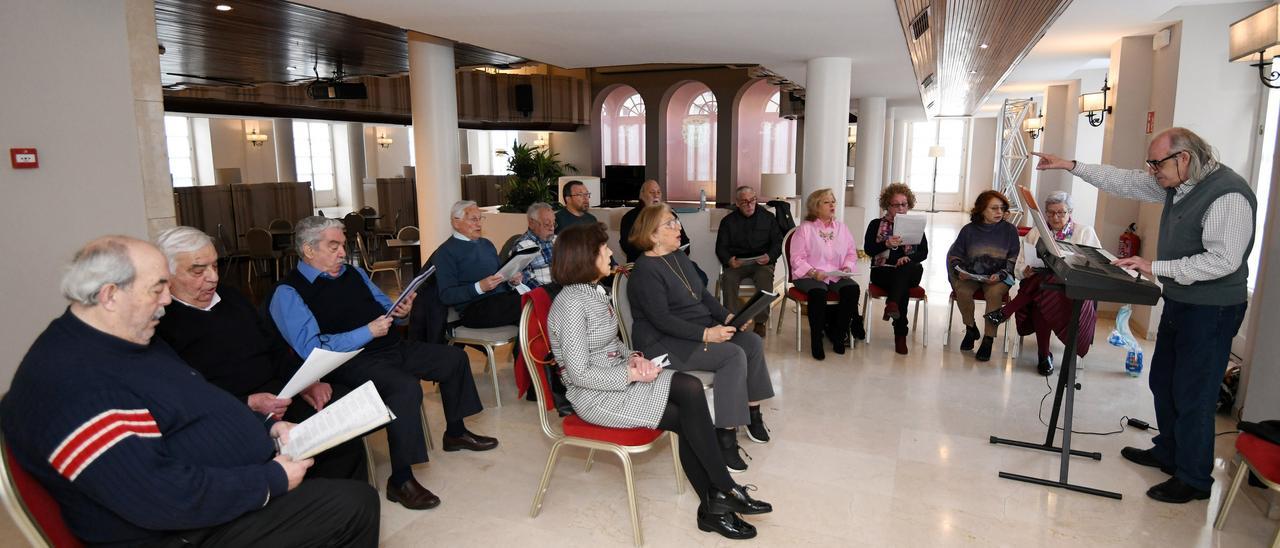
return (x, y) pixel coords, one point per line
(675, 108)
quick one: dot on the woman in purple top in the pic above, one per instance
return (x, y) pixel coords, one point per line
(823, 259)
(982, 257)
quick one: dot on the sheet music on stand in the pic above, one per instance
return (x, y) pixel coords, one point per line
(411, 288)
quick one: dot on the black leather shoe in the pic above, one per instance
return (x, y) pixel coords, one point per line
(815, 346)
(1145, 458)
(971, 335)
(995, 316)
(728, 525)
(412, 495)
(1045, 367)
(737, 500)
(984, 352)
(469, 441)
(1174, 491)
(856, 328)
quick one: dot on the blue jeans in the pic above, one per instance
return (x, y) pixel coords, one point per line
(1192, 348)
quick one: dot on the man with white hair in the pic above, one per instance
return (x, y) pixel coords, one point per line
(218, 332)
(542, 235)
(467, 273)
(324, 303)
(650, 194)
(1206, 233)
(748, 245)
(137, 449)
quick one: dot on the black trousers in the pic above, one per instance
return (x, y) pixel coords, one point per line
(395, 371)
(319, 512)
(821, 317)
(897, 283)
(493, 311)
(687, 415)
(344, 461)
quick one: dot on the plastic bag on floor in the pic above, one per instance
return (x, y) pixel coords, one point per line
(1123, 337)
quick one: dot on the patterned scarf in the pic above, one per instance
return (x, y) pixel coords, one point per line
(884, 233)
(1067, 231)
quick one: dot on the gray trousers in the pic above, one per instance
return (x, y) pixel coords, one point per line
(761, 275)
(741, 376)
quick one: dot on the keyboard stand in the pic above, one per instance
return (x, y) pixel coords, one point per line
(1066, 386)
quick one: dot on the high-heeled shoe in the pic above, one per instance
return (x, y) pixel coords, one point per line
(736, 500)
(996, 316)
(728, 525)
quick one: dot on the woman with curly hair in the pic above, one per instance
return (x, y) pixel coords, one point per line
(983, 257)
(895, 267)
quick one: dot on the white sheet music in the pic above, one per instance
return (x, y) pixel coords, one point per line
(910, 228)
(320, 363)
(516, 264)
(356, 413)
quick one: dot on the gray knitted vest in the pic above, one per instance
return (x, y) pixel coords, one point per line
(1181, 235)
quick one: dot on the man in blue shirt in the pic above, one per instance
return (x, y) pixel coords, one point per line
(324, 303)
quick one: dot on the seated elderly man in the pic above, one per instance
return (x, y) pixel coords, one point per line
(324, 303)
(219, 333)
(542, 235)
(137, 449)
(748, 232)
(467, 273)
(650, 194)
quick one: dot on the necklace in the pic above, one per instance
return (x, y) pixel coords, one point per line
(680, 273)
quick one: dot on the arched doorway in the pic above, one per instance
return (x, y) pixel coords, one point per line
(766, 140)
(622, 128)
(691, 120)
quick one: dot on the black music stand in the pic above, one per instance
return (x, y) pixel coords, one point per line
(1066, 384)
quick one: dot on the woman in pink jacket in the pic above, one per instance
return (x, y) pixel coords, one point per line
(823, 259)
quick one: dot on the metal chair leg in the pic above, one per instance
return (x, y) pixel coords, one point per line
(493, 374)
(797, 326)
(426, 428)
(675, 457)
(866, 320)
(368, 462)
(1241, 471)
(631, 496)
(591, 458)
(951, 312)
(924, 329)
(546, 478)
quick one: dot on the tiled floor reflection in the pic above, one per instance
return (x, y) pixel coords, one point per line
(870, 449)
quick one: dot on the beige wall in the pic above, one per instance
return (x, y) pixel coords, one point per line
(574, 148)
(257, 164)
(90, 171)
(982, 160)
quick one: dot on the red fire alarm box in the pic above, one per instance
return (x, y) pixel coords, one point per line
(24, 158)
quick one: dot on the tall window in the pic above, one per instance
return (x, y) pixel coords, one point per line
(1262, 191)
(488, 150)
(700, 138)
(182, 158)
(630, 132)
(313, 149)
(948, 134)
(777, 139)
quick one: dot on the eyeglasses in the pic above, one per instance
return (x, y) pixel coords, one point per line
(672, 223)
(999, 207)
(899, 204)
(746, 202)
(1062, 213)
(587, 194)
(1154, 165)
(827, 202)
(474, 219)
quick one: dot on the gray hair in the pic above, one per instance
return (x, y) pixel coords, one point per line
(307, 231)
(536, 209)
(178, 240)
(1059, 197)
(103, 261)
(459, 209)
(737, 192)
(1202, 157)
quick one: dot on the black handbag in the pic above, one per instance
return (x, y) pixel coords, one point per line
(558, 390)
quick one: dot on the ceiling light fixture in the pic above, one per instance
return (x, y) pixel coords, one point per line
(256, 139)
(983, 46)
(222, 7)
(1094, 105)
(291, 68)
(384, 141)
(1257, 34)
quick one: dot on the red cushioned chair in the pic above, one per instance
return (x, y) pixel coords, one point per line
(1263, 458)
(917, 293)
(579, 433)
(977, 296)
(790, 293)
(31, 507)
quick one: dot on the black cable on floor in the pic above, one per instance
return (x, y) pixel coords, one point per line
(1124, 419)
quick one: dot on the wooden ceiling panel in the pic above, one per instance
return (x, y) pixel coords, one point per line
(950, 56)
(258, 41)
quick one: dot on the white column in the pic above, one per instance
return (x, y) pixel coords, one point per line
(286, 158)
(869, 165)
(434, 100)
(826, 126)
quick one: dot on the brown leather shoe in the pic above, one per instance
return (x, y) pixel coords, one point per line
(470, 442)
(761, 329)
(412, 495)
(900, 344)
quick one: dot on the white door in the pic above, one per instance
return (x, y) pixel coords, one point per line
(936, 163)
(313, 148)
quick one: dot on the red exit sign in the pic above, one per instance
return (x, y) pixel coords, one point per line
(24, 158)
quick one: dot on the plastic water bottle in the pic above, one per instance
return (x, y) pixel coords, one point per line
(1133, 362)
(702, 199)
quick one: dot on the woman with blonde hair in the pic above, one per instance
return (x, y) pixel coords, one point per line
(823, 260)
(896, 267)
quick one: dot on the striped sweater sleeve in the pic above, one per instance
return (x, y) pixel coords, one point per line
(110, 446)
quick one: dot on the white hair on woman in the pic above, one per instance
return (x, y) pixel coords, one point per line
(459, 209)
(307, 231)
(100, 263)
(178, 240)
(1060, 197)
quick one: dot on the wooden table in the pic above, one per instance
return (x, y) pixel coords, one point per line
(415, 251)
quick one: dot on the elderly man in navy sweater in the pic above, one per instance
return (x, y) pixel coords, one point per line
(467, 273)
(136, 447)
(325, 303)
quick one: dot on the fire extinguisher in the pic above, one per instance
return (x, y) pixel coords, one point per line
(1129, 242)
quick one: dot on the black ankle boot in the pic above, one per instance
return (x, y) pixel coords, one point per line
(730, 451)
(727, 525)
(971, 335)
(815, 346)
(736, 500)
(984, 351)
(757, 430)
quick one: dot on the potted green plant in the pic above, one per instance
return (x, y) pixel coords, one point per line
(534, 173)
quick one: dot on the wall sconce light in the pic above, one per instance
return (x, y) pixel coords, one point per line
(542, 141)
(1034, 126)
(384, 141)
(1094, 105)
(256, 139)
(1257, 34)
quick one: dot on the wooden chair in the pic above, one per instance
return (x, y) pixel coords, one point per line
(408, 233)
(373, 267)
(260, 250)
(790, 293)
(280, 224)
(576, 432)
(1263, 459)
(916, 294)
(31, 506)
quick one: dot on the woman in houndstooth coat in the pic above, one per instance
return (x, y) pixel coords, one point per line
(610, 385)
